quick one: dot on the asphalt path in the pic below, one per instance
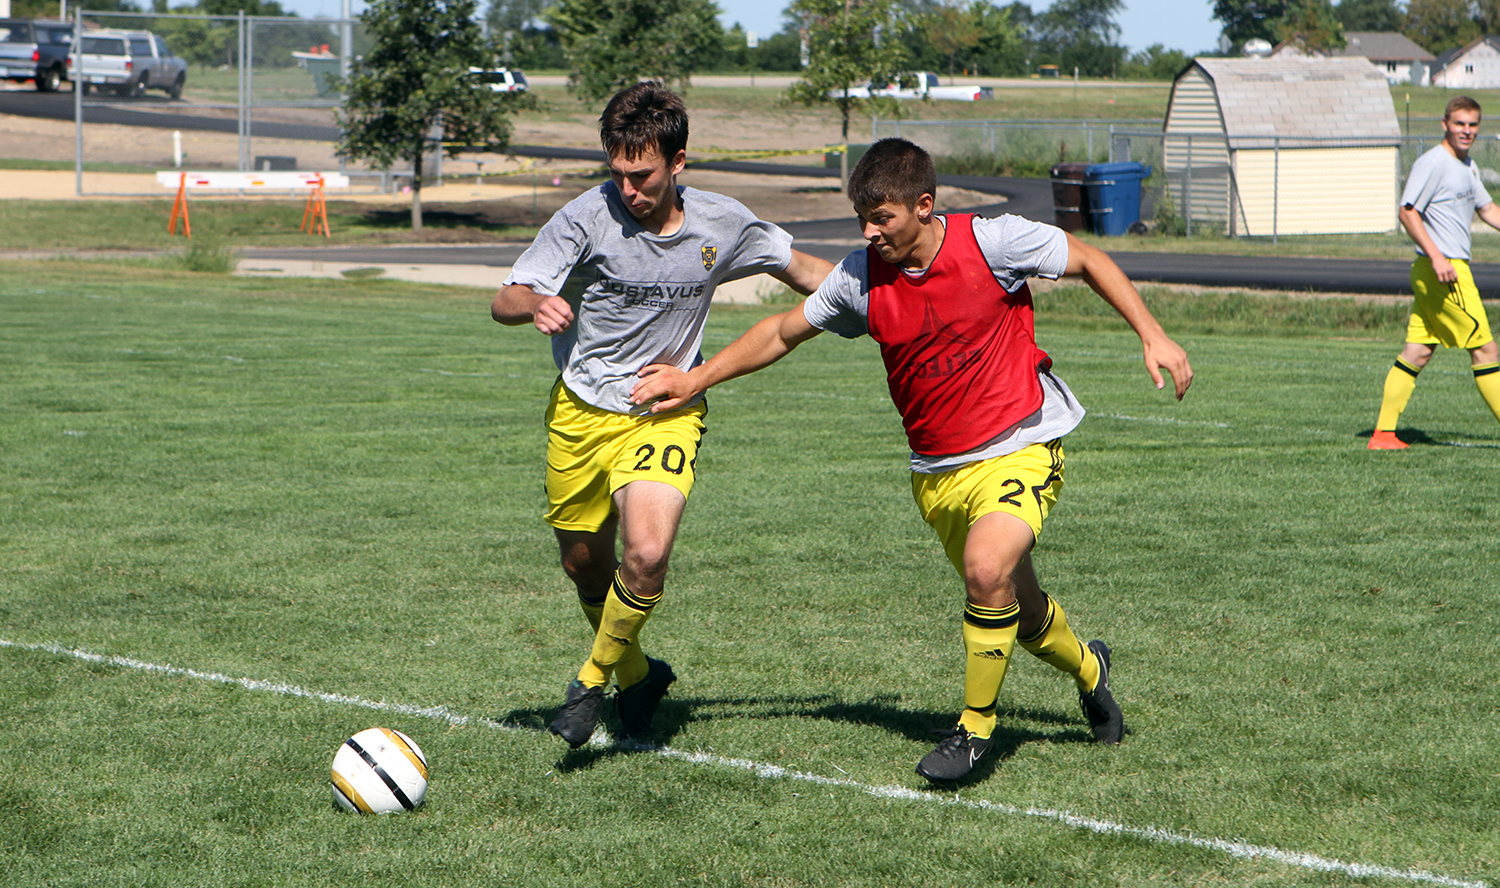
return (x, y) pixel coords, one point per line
(830, 238)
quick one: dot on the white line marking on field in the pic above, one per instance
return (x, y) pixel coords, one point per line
(1242, 850)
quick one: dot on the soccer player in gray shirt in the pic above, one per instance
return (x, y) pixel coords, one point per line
(1438, 204)
(620, 278)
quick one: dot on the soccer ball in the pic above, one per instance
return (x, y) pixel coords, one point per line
(379, 771)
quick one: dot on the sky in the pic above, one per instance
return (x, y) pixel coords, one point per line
(1187, 25)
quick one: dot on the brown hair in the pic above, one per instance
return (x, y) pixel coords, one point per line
(1460, 103)
(895, 171)
(643, 118)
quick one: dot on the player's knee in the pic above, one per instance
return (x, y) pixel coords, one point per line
(1416, 354)
(989, 585)
(647, 564)
(591, 575)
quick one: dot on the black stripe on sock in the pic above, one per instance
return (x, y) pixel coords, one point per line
(390, 783)
(1407, 368)
(1486, 371)
(1046, 621)
(630, 599)
(1008, 617)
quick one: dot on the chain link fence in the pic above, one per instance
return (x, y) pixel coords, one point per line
(245, 93)
(1204, 184)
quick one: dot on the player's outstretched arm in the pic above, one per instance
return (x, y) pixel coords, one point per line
(1416, 229)
(1105, 277)
(666, 387)
(518, 304)
(804, 273)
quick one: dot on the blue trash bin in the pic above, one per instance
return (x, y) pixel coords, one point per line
(1114, 196)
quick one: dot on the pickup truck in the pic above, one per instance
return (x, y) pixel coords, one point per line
(128, 63)
(35, 50)
(927, 86)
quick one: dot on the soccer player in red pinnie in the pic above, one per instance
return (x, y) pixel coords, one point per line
(946, 298)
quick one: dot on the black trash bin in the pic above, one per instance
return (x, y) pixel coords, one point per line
(1069, 199)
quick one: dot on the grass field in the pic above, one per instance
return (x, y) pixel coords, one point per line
(118, 225)
(142, 225)
(243, 519)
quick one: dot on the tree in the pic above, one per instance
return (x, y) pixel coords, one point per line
(1081, 34)
(1248, 19)
(1155, 62)
(1439, 25)
(613, 43)
(1006, 47)
(1312, 27)
(1487, 16)
(844, 50)
(515, 15)
(413, 80)
(1369, 15)
(953, 28)
(199, 41)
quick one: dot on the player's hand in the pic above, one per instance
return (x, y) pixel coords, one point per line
(663, 386)
(553, 315)
(1164, 354)
(1444, 270)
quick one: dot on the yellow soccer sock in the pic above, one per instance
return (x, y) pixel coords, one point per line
(593, 611)
(989, 639)
(1488, 380)
(1055, 644)
(633, 663)
(617, 649)
(1400, 382)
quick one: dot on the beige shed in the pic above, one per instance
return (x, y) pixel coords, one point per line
(1260, 147)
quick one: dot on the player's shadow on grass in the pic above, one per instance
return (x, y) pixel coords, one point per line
(1421, 438)
(919, 726)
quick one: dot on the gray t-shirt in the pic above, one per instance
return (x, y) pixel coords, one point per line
(639, 298)
(1446, 191)
(1016, 249)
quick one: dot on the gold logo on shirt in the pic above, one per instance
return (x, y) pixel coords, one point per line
(709, 255)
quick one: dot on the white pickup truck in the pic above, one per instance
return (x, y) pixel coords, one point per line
(926, 86)
(128, 63)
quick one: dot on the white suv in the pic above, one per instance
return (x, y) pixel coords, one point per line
(500, 80)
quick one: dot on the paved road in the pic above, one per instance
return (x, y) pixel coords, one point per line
(1031, 198)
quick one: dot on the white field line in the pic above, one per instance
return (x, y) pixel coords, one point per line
(1241, 850)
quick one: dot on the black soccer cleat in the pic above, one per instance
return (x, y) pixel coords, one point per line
(954, 757)
(637, 704)
(579, 714)
(1099, 707)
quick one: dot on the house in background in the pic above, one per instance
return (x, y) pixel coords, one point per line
(1401, 60)
(1476, 66)
(1259, 147)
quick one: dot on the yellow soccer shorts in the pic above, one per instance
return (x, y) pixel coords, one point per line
(1447, 314)
(1024, 484)
(592, 453)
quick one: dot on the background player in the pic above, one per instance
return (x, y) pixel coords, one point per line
(622, 277)
(1437, 207)
(946, 298)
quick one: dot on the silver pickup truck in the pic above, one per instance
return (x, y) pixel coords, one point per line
(128, 63)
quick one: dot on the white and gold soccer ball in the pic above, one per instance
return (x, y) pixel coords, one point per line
(379, 771)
